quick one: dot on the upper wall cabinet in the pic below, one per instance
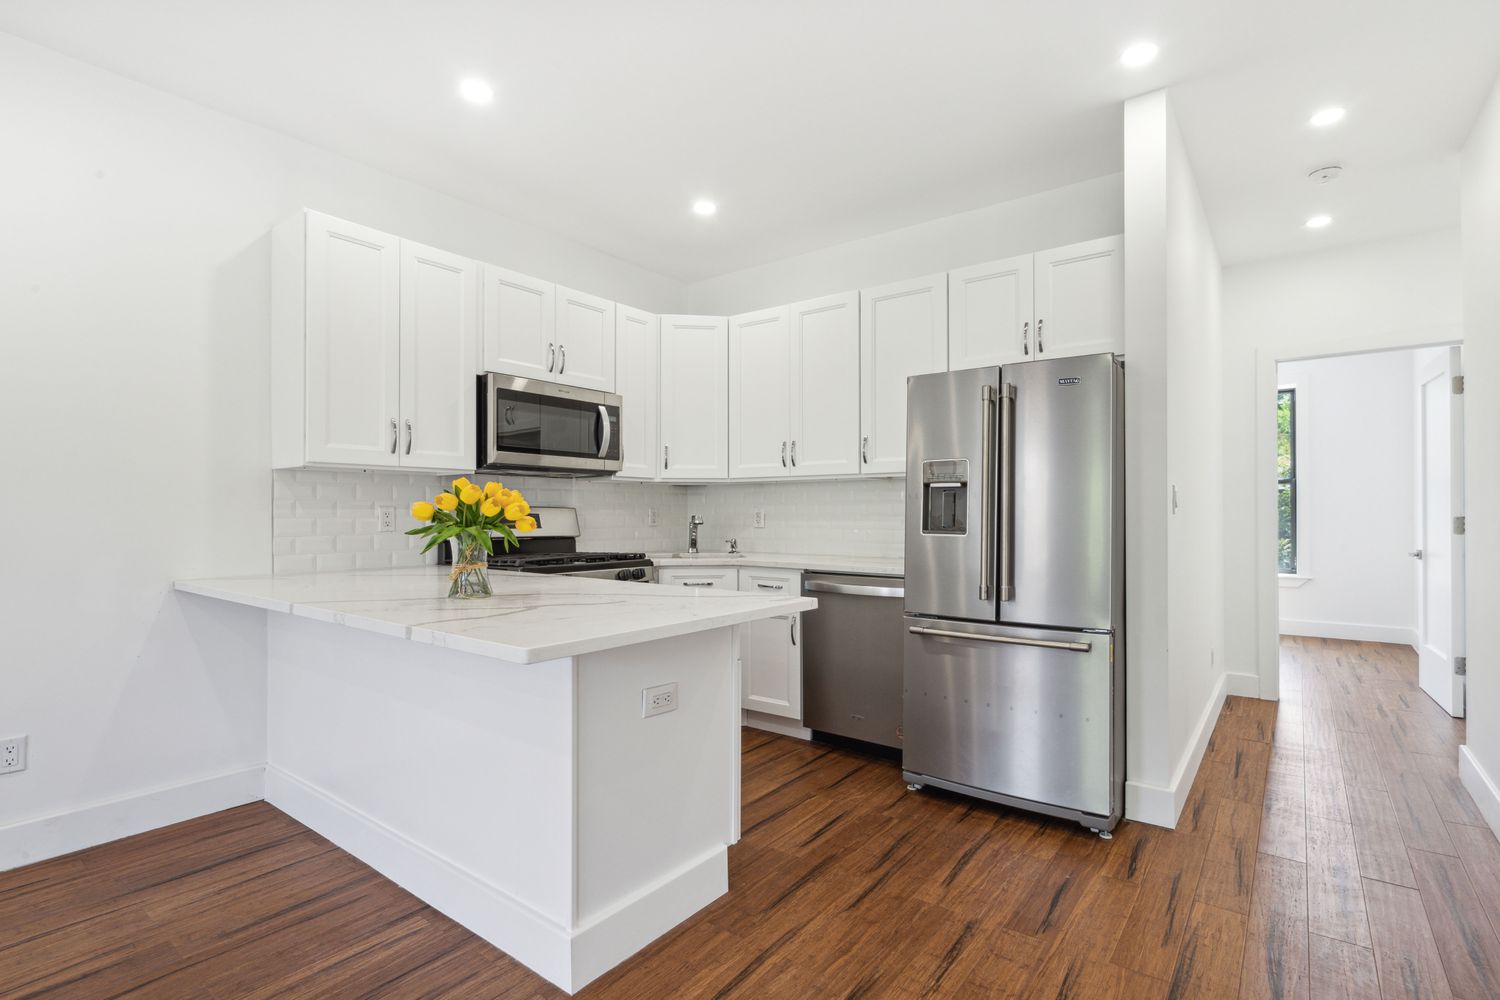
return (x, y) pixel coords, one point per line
(760, 397)
(585, 340)
(637, 380)
(372, 350)
(520, 324)
(1080, 299)
(903, 332)
(989, 313)
(825, 386)
(694, 397)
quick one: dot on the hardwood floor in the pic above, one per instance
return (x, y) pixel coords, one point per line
(1326, 850)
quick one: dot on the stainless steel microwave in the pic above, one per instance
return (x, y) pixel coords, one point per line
(526, 425)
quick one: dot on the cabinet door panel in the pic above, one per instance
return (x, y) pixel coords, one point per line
(695, 397)
(519, 324)
(637, 377)
(585, 341)
(439, 337)
(759, 394)
(771, 668)
(825, 386)
(353, 343)
(903, 332)
(989, 314)
(1080, 299)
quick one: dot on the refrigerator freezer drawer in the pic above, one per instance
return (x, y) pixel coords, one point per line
(1023, 713)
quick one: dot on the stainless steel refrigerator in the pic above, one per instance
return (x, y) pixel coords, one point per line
(1014, 614)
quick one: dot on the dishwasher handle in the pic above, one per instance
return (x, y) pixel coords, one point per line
(856, 589)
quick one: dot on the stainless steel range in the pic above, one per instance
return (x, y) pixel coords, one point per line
(553, 548)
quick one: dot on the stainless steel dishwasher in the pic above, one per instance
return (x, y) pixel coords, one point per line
(852, 657)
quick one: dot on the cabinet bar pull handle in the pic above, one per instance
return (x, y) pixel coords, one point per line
(562, 354)
(771, 586)
(783, 454)
(408, 437)
(666, 457)
(1026, 338)
(864, 449)
(793, 620)
(551, 356)
(1039, 348)
(794, 454)
(395, 435)
(697, 583)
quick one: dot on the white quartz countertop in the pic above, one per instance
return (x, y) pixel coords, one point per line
(531, 617)
(872, 565)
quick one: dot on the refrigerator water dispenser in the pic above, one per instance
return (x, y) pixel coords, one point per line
(945, 497)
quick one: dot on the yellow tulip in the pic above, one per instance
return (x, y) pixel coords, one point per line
(422, 510)
(446, 501)
(493, 488)
(517, 510)
(490, 507)
(525, 524)
(460, 484)
(470, 494)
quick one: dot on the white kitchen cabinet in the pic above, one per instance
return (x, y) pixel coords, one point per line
(903, 332)
(638, 380)
(439, 323)
(990, 313)
(694, 397)
(825, 386)
(585, 340)
(719, 577)
(372, 349)
(771, 659)
(760, 400)
(1080, 299)
(520, 324)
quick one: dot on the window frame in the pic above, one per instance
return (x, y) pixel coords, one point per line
(1300, 479)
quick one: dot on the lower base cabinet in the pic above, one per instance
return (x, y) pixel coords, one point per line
(771, 665)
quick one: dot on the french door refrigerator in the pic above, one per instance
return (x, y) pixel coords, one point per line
(1014, 613)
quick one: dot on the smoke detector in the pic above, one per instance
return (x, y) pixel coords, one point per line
(1323, 175)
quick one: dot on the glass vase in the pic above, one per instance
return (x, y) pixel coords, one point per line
(471, 570)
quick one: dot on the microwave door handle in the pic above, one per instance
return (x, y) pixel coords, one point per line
(1007, 492)
(986, 492)
(604, 435)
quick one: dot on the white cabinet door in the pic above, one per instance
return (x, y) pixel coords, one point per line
(353, 296)
(585, 340)
(903, 332)
(439, 334)
(695, 397)
(697, 577)
(771, 661)
(637, 379)
(989, 314)
(519, 324)
(825, 386)
(1080, 299)
(759, 394)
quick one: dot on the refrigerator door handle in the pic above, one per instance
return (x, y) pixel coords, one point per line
(1008, 640)
(1007, 492)
(986, 494)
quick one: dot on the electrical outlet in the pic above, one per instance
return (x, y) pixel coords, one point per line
(387, 518)
(760, 519)
(659, 700)
(13, 750)
(650, 517)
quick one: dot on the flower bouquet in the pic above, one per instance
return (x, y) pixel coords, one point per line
(472, 516)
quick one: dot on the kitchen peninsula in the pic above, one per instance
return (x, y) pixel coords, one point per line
(495, 758)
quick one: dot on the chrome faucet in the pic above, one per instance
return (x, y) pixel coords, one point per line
(693, 521)
(734, 546)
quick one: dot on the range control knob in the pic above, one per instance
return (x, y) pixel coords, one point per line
(639, 573)
(623, 574)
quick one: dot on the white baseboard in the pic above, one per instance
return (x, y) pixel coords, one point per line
(1481, 786)
(776, 724)
(1159, 806)
(568, 958)
(35, 840)
(1401, 635)
(1242, 685)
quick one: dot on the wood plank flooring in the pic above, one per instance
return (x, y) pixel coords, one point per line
(1326, 850)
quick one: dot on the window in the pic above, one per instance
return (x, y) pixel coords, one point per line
(1286, 480)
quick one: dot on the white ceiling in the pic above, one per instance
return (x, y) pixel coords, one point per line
(819, 121)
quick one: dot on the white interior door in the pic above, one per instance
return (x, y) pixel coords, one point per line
(1440, 553)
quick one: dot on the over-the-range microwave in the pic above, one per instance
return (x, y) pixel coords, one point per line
(539, 428)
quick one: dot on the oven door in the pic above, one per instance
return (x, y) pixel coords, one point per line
(537, 426)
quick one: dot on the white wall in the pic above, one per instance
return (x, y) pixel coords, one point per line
(1377, 296)
(1356, 498)
(1481, 265)
(1070, 214)
(135, 298)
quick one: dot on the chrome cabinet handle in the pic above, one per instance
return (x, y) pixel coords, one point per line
(1026, 338)
(395, 435)
(794, 454)
(697, 583)
(551, 355)
(1416, 554)
(771, 586)
(562, 356)
(783, 454)
(1008, 492)
(1008, 640)
(793, 620)
(666, 457)
(604, 418)
(864, 449)
(1039, 348)
(408, 437)
(986, 491)
(855, 589)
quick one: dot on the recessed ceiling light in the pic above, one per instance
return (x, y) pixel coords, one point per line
(476, 91)
(1327, 117)
(704, 207)
(1318, 222)
(1138, 55)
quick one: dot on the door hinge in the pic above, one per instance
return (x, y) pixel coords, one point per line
(1461, 666)
(1460, 524)
(1458, 385)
